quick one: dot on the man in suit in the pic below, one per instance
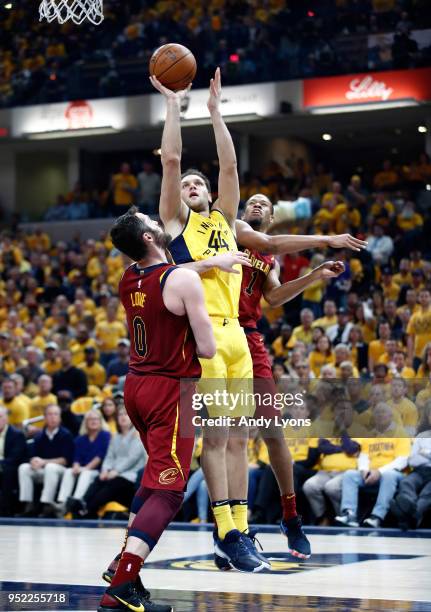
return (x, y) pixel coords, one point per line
(13, 449)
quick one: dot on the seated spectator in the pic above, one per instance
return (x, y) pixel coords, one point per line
(69, 377)
(95, 373)
(380, 245)
(329, 315)
(419, 329)
(52, 362)
(58, 212)
(387, 178)
(109, 411)
(398, 367)
(90, 450)
(13, 451)
(80, 343)
(108, 332)
(69, 419)
(51, 454)
(339, 333)
(358, 348)
(18, 410)
(376, 348)
(119, 365)
(425, 367)
(382, 210)
(342, 355)
(336, 455)
(408, 220)
(303, 333)
(391, 316)
(116, 482)
(38, 404)
(380, 463)
(321, 355)
(32, 370)
(404, 410)
(123, 187)
(403, 276)
(313, 294)
(413, 499)
(280, 346)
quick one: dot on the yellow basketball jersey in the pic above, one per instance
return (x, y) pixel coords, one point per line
(202, 238)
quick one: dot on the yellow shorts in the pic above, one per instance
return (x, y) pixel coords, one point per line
(230, 372)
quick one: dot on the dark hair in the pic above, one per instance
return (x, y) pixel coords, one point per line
(200, 174)
(126, 235)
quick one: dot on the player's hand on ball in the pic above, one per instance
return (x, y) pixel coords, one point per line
(226, 261)
(215, 92)
(331, 269)
(168, 93)
(346, 241)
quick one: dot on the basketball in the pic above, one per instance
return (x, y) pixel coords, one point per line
(174, 65)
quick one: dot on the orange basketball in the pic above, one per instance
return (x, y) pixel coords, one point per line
(174, 65)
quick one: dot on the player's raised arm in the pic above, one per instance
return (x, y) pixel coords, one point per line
(172, 210)
(183, 294)
(228, 182)
(223, 261)
(283, 244)
(276, 294)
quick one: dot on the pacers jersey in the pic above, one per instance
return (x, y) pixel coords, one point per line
(253, 281)
(202, 238)
(161, 343)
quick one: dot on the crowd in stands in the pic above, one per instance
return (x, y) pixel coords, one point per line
(358, 348)
(252, 41)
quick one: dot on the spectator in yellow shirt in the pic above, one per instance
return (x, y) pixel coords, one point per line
(425, 367)
(280, 345)
(390, 289)
(18, 410)
(403, 276)
(81, 342)
(96, 373)
(398, 367)
(38, 404)
(408, 219)
(329, 315)
(381, 461)
(405, 412)
(387, 178)
(108, 332)
(321, 355)
(304, 332)
(376, 348)
(346, 216)
(124, 186)
(419, 329)
(52, 363)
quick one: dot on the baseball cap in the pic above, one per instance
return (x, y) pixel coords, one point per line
(124, 341)
(52, 345)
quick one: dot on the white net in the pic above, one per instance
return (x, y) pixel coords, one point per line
(76, 10)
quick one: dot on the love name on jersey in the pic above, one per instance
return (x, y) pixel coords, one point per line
(217, 233)
(258, 263)
(138, 298)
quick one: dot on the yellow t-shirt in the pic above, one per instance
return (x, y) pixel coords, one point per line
(202, 238)
(345, 218)
(96, 374)
(317, 360)
(108, 334)
(51, 367)
(382, 451)
(77, 349)
(298, 441)
(406, 411)
(38, 405)
(300, 335)
(337, 462)
(402, 279)
(376, 349)
(419, 326)
(17, 409)
(391, 291)
(325, 322)
(122, 196)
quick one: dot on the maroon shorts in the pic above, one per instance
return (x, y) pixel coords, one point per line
(153, 405)
(259, 355)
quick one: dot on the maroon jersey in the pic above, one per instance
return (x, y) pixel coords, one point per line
(253, 280)
(162, 343)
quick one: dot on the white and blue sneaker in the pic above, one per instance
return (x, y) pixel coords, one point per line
(237, 551)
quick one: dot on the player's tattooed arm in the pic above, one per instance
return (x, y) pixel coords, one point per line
(277, 294)
(228, 182)
(224, 261)
(283, 244)
(173, 212)
(183, 294)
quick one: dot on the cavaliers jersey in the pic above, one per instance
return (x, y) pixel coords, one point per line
(161, 343)
(202, 238)
(253, 281)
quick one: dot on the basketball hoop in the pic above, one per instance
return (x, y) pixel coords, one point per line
(76, 10)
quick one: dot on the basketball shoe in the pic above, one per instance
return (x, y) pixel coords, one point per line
(297, 541)
(127, 596)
